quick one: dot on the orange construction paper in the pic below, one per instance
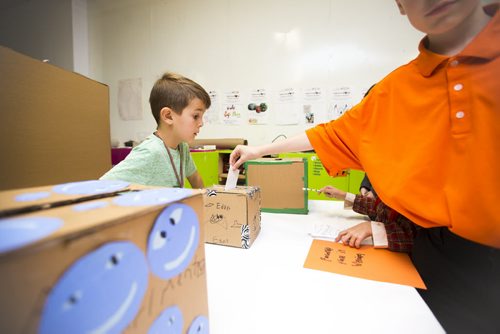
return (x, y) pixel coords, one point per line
(365, 262)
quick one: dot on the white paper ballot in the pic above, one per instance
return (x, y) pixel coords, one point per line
(330, 231)
(325, 231)
(232, 178)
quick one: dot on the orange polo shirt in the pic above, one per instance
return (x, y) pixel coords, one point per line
(428, 136)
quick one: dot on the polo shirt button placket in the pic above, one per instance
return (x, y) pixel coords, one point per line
(462, 125)
(459, 114)
(458, 89)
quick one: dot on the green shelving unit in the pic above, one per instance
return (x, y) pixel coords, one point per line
(207, 164)
(355, 178)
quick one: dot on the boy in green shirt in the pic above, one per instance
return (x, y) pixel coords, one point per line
(163, 158)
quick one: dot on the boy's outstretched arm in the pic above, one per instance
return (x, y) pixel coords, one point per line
(195, 180)
(243, 153)
(333, 192)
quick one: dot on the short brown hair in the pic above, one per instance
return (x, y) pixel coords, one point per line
(175, 92)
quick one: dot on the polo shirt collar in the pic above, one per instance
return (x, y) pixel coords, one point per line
(481, 47)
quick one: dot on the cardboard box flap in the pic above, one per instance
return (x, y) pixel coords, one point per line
(77, 217)
(38, 198)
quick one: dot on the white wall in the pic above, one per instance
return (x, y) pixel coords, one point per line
(80, 37)
(231, 44)
(222, 44)
(40, 29)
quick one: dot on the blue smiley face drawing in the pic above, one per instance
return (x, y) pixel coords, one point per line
(91, 187)
(199, 326)
(100, 293)
(170, 321)
(173, 241)
(18, 232)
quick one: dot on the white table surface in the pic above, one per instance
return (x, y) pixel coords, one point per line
(266, 289)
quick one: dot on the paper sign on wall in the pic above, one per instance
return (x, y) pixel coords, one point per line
(258, 107)
(365, 262)
(232, 108)
(130, 99)
(313, 106)
(211, 116)
(287, 108)
(340, 102)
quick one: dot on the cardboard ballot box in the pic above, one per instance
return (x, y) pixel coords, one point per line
(94, 257)
(232, 217)
(281, 182)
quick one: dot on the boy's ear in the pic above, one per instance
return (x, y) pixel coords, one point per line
(401, 9)
(166, 115)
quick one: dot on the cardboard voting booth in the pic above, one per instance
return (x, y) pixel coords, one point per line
(282, 182)
(55, 124)
(94, 256)
(232, 217)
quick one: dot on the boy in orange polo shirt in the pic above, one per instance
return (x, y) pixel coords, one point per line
(428, 136)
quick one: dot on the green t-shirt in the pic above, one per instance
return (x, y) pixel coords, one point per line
(148, 164)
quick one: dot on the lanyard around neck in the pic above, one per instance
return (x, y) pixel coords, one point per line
(181, 178)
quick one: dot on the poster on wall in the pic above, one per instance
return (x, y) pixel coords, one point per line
(258, 107)
(340, 101)
(130, 99)
(313, 106)
(287, 107)
(232, 108)
(211, 116)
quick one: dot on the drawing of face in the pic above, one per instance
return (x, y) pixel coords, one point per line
(21, 231)
(199, 326)
(153, 197)
(170, 321)
(91, 187)
(100, 293)
(173, 240)
(28, 197)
